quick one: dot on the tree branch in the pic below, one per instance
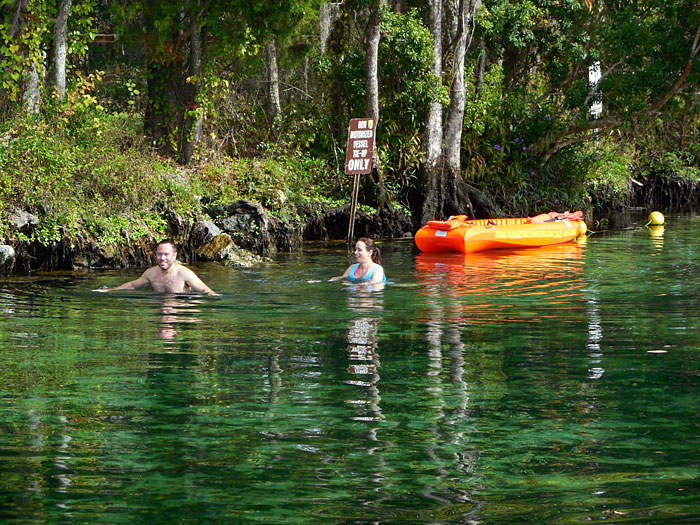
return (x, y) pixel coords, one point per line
(582, 136)
(680, 81)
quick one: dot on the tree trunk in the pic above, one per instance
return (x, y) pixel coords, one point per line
(18, 12)
(327, 17)
(443, 191)
(423, 195)
(60, 49)
(432, 136)
(190, 130)
(460, 28)
(160, 105)
(274, 109)
(481, 68)
(446, 193)
(28, 85)
(372, 37)
(334, 32)
(373, 188)
(32, 93)
(305, 78)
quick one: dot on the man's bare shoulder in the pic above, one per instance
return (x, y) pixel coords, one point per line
(151, 272)
(192, 280)
(183, 270)
(189, 276)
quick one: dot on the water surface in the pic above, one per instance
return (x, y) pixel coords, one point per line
(552, 385)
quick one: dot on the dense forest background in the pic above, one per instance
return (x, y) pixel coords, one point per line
(114, 112)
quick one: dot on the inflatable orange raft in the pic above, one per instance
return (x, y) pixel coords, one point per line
(461, 234)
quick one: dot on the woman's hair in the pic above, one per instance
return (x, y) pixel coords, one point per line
(372, 249)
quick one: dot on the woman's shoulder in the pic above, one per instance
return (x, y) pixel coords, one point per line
(379, 272)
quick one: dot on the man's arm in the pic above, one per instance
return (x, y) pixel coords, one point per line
(194, 282)
(131, 285)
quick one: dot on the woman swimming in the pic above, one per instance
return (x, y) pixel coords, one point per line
(368, 266)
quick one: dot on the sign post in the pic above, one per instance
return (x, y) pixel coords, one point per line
(358, 159)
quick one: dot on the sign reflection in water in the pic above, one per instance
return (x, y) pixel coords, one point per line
(366, 304)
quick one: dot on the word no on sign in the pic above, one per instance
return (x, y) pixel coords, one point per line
(358, 156)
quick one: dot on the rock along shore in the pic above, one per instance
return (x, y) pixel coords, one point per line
(240, 233)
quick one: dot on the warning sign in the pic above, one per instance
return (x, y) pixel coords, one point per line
(358, 157)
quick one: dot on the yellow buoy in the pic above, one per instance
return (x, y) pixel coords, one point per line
(656, 218)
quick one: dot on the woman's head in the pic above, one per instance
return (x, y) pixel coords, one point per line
(372, 248)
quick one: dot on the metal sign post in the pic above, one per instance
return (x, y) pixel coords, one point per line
(358, 159)
(353, 207)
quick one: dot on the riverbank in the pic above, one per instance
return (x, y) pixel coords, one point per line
(243, 232)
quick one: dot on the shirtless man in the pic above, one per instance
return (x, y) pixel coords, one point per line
(168, 276)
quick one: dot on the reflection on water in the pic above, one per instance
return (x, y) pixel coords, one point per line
(657, 237)
(553, 385)
(365, 306)
(550, 275)
(176, 310)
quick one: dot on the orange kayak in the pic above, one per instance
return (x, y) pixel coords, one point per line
(460, 234)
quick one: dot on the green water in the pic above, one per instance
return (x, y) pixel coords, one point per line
(546, 386)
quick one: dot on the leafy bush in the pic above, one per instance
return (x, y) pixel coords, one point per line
(278, 183)
(74, 178)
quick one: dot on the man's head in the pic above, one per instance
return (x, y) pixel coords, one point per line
(166, 253)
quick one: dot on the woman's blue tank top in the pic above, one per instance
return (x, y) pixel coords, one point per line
(352, 275)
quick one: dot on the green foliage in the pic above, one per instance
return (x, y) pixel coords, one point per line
(278, 183)
(505, 137)
(535, 95)
(610, 167)
(406, 87)
(81, 27)
(501, 155)
(120, 228)
(526, 137)
(25, 38)
(653, 38)
(278, 18)
(366, 210)
(21, 39)
(668, 163)
(670, 146)
(75, 178)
